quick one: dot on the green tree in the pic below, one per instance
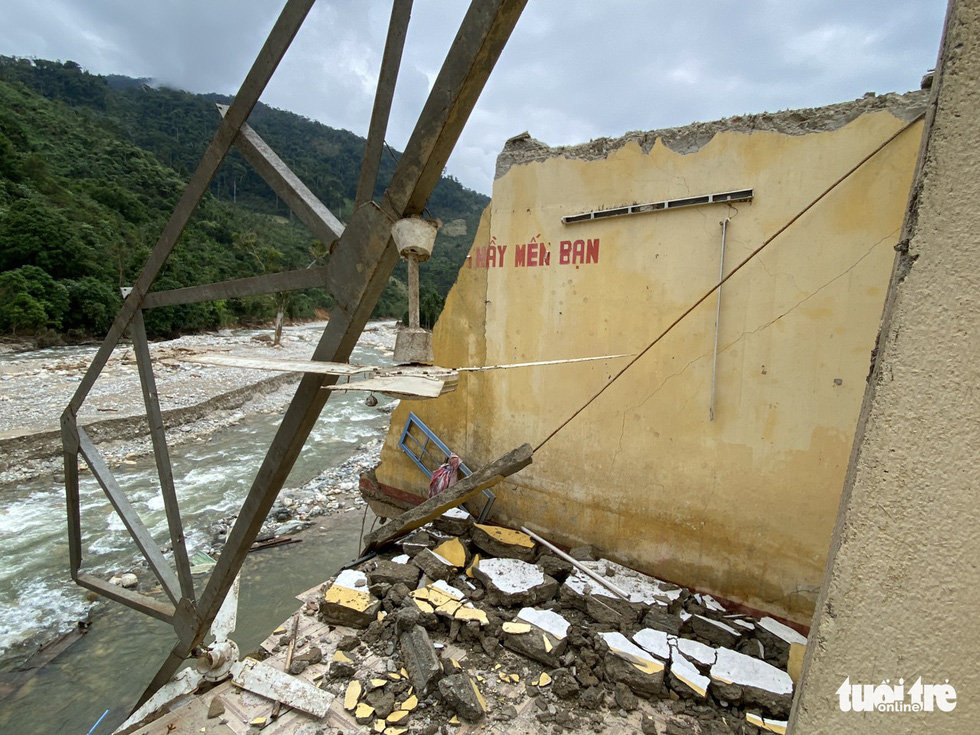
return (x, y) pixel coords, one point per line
(34, 233)
(31, 300)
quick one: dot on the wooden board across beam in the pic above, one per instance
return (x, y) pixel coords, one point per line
(466, 488)
(404, 386)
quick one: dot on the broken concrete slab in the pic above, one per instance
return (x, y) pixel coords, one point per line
(626, 662)
(661, 618)
(420, 659)
(715, 631)
(453, 551)
(643, 591)
(391, 572)
(348, 602)
(455, 521)
(504, 542)
(460, 693)
(433, 565)
(777, 639)
(742, 679)
(654, 641)
(512, 582)
(685, 679)
(767, 723)
(701, 655)
(538, 634)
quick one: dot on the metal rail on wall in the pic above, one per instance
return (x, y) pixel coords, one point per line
(361, 260)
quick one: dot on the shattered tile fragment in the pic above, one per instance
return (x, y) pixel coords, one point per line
(628, 663)
(352, 694)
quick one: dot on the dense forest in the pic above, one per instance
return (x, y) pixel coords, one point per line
(91, 167)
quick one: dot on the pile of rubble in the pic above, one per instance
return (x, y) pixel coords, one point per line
(475, 626)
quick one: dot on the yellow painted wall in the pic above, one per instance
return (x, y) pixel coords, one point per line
(742, 506)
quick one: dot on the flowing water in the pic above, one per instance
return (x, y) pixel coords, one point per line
(108, 668)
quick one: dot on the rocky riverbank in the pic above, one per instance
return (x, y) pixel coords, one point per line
(197, 400)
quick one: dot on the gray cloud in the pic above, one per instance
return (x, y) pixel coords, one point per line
(572, 71)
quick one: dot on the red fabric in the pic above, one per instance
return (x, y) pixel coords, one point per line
(445, 476)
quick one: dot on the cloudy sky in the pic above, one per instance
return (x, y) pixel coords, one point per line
(573, 70)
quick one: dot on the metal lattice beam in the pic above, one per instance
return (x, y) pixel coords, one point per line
(360, 264)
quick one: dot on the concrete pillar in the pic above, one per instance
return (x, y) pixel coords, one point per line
(901, 597)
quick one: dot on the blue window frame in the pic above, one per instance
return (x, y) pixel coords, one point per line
(424, 447)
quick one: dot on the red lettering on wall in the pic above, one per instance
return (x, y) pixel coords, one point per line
(592, 251)
(520, 255)
(564, 252)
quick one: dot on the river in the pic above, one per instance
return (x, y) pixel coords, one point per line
(109, 667)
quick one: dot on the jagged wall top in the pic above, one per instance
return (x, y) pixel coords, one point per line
(523, 149)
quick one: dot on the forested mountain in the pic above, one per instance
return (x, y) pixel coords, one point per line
(91, 167)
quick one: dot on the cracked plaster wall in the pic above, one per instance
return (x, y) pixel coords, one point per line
(902, 589)
(742, 506)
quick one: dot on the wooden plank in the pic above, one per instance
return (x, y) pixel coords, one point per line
(539, 363)
(466, 488)
(318, 367)
(403, 386)
(239, 287)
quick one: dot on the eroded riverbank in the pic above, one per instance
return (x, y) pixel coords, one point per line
(215, 454)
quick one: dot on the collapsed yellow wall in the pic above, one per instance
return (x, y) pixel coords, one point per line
(741, 506)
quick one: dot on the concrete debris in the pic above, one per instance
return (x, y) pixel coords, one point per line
(392, 572)
(461, 694)
(420, 659)
(540, 634)
(742, 679)
(504, 542)
(347, 601)
(511, 582)
(455, 521)
(491, 638)
(715, 631)
(628, 663)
